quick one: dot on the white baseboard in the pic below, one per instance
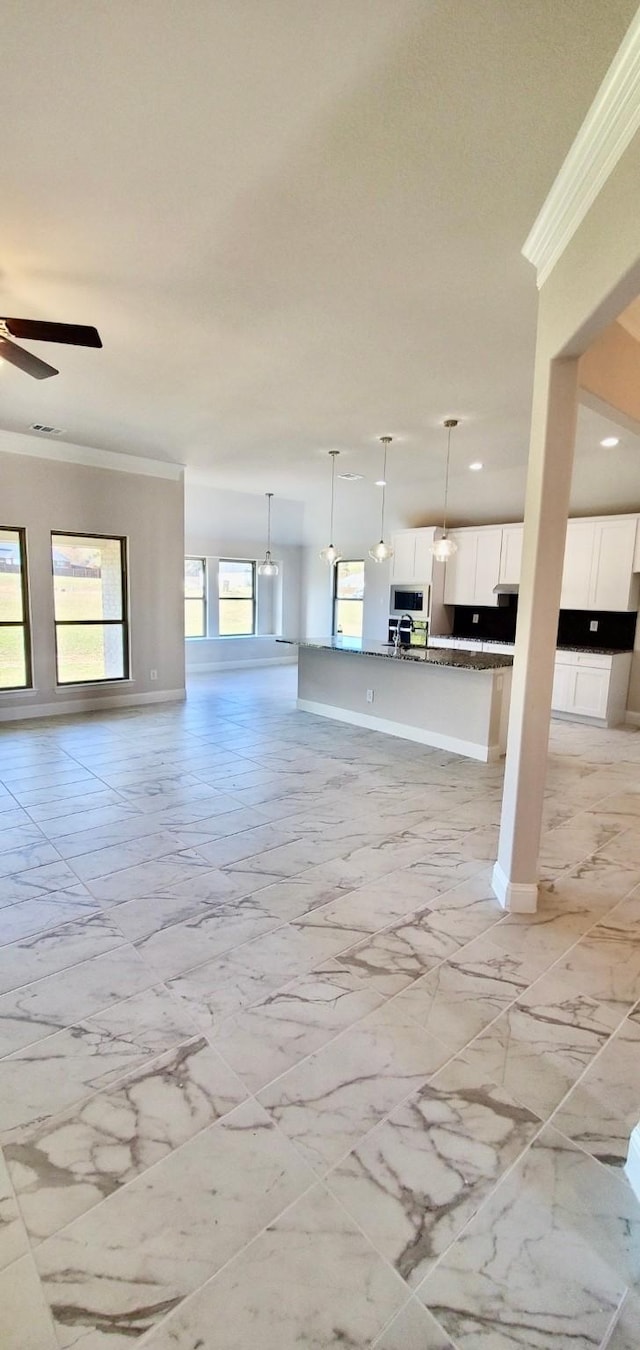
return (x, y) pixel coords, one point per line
(516, 897)
(470, 749)
(208, 666)
(632, 719)
(63, 709)
(632, 1168)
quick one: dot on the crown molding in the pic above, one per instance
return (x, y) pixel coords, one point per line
(608, 128)
(19, 443)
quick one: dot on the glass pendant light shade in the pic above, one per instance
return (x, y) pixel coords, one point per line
(331, 554)
(268, 568)
(381, 552)
(444, 547)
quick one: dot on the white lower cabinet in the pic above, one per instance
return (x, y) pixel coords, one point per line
(588, 691)
(592, 685)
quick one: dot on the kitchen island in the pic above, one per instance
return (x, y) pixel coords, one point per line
(452, 700)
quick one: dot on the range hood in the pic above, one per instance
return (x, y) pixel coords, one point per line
(506, 588)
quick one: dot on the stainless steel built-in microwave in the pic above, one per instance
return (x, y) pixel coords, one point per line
(406, 601)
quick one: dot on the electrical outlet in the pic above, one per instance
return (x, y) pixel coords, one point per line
(369, 695)
(593, 626)
(153, 674)
(476, 618)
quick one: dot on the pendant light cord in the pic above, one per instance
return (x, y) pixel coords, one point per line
(269, 496)
(333, 454)
(384, 493)
(385, 442)
(449, 424)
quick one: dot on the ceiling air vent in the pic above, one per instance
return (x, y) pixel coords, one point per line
(45, 430)
(350, 477)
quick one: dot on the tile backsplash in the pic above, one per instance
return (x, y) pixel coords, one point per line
(574, 627)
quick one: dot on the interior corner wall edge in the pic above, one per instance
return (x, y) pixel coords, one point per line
(42, 495)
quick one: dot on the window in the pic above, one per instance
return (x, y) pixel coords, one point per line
(15, 644)
(348, 598)
(195, 597)
(90, 608)
(237, 603)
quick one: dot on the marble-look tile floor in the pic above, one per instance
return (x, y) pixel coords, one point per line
(275, 1069)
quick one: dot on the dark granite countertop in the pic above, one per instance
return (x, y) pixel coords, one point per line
(563, 647)
(427, 656)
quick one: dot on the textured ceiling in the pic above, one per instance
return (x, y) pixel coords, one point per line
(296, 226)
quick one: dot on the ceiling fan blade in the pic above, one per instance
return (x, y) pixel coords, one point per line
(31, 365)
(32, 330)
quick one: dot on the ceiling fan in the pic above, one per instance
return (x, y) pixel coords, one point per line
(32, 330)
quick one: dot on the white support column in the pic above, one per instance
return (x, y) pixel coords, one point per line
(515, 875)
(632, 1168)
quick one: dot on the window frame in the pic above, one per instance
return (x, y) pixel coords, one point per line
(25, 622)
(122, 622)
(336, 597)
(249, 562)
(197, 637)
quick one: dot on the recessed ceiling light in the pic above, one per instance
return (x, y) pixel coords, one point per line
(381, 482)
(610, 441)
(477, 464)
(350, 477)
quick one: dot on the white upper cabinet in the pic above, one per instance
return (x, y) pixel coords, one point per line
(487, 566)
(404, 553)
(473, 571)
(412, 557)
(598, 565)
(612, 583)
(576, 573)
(511, 554)
(460, 574)
(423, 563)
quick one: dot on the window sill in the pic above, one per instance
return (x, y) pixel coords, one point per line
(237, 637)
(93, 684)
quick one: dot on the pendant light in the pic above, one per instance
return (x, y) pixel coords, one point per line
(445, 547)
(330, 554)
(381, 552)
(268, 568)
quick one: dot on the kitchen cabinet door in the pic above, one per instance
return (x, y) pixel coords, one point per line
(511, 554)
(423, 558)
(487, 567)
(578, 559)
(588, 691)
(612, 585)
(404, 553)
(460, 575)
(562, 679)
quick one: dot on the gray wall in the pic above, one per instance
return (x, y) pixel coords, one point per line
(44, 495)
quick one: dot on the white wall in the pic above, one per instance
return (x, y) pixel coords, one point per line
(317, 593)
(42, 495)
(220, 524)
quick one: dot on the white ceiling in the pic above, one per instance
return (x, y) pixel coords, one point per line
(296, 226)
